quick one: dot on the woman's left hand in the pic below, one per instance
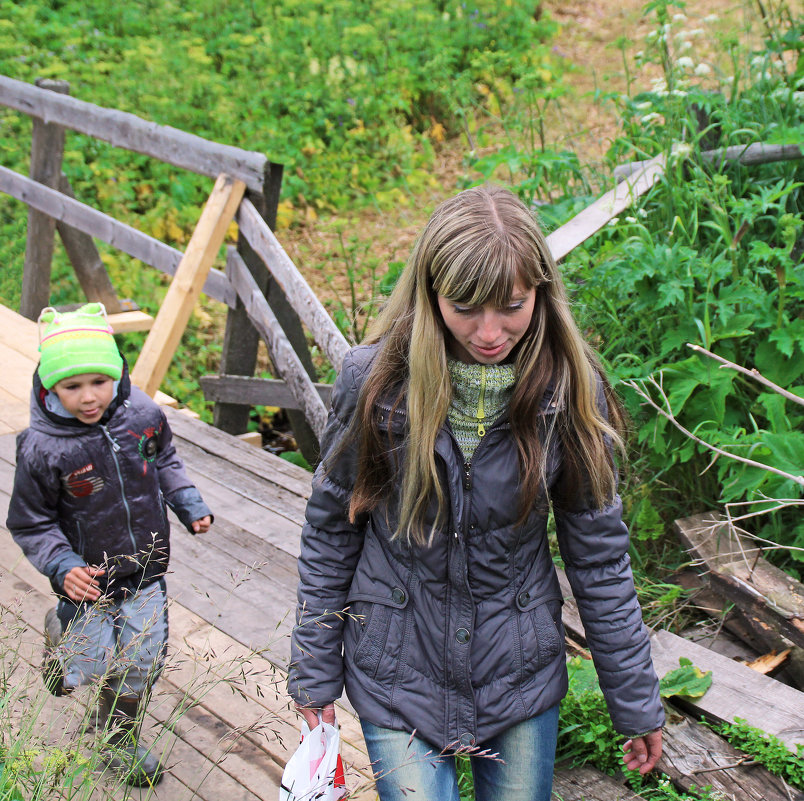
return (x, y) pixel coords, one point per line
(643, 752)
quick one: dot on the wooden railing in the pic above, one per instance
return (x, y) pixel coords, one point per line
(263, 304)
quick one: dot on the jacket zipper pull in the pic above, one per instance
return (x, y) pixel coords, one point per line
(112, 440)
(481, 412)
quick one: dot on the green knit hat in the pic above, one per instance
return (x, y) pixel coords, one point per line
(77, 342)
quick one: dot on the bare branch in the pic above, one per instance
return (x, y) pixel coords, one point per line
(753, 373)
(640, 390)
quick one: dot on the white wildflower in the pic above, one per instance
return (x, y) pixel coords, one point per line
(702, 69)
(710, 18)
(685, 63)
(644, 106)
(613, 221)
(649, 118)
(684, 46)
(631, 220)
(679, 17)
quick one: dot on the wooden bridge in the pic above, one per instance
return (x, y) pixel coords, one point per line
(220, 714)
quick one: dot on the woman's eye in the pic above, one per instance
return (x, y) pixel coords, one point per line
(463, 309)
(515, 306)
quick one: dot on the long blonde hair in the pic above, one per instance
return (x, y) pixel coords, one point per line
(472, 251)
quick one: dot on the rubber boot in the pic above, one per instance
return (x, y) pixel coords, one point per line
(52, 668)
(123, 753)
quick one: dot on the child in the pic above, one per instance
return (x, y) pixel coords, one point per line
(94, 471)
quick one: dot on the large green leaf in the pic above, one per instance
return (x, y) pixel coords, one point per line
(687, 681)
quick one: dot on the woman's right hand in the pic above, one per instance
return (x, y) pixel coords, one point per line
(311, 715)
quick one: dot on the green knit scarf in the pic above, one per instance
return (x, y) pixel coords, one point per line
(480, 393)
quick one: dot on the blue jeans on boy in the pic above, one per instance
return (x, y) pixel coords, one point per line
(408, 768)
(121, 640)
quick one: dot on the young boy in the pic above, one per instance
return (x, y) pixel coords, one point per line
(94, 471)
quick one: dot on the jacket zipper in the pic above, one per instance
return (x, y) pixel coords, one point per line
(115, 449)
(481, 412)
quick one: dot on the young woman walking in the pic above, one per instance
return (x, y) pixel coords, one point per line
(426, 587)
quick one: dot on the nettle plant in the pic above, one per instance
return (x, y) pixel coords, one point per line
(712, 257)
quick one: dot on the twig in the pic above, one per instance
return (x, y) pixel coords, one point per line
(669, 415)
(753, 373)
(742, 761)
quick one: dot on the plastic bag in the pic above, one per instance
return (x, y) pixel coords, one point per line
(315, 771)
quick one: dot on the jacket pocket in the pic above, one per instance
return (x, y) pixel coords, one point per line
(542, 633)
(372, 622)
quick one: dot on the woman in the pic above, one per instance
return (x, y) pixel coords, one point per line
(426, 582)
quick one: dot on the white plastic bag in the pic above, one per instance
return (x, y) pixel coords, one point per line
(315, 771)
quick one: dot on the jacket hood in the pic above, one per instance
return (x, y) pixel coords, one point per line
(50, 417)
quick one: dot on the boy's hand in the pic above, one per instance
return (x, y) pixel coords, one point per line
(80, 584)
(202, 525)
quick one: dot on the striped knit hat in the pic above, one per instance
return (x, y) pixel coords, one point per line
(77, 342)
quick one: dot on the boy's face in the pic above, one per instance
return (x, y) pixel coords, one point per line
(86, 396)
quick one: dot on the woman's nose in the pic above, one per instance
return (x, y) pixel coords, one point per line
(489, 329)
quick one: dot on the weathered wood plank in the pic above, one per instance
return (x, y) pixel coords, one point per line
(102, 226)
(747, 155)
(587, 784)
(276, 498)
(596, 215)
(694, 756)
(737, 571)
(187, 284)
(261, 463)
(248, 391)
(47, 149)
(296, 289)
(736, 691)
(282, 354)
(128, 131)
(83, 255)
(18, 371)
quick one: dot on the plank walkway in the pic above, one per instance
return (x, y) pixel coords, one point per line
(232, 592)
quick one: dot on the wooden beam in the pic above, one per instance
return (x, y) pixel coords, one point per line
(296, 289)
(693, 756)
(737, 571)
(282, 354)
(187, 284)
(248, 391)
(130, 321)
(47, 149)
(596, 215)
(747, 155)
(737, 691)
(89, 268)
(102, 226)
(134, 133)
(586, 783)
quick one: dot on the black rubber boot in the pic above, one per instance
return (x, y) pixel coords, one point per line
(123, 752)
(52, 668)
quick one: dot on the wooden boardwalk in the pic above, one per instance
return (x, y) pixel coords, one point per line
(232, 596)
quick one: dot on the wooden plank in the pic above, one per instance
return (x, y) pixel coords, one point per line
(296, 289)
(282, 354)
(253, 438)
(596, 215)
(102, 226)
(134, 133)
(83, 255)
(737, 571)
(14, 412)
(261, 463)
(693, 756)
(18, 372)
(123, 322)
(47, 149)
(747, 155)
(736, 691)
(588, 784)
(187, 284)
(249, 391)
(19, 333)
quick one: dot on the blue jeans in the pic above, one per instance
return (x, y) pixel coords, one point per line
(407, 768)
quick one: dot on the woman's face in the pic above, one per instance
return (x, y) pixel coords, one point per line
(487, 334)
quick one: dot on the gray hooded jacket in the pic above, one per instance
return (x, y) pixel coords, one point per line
(462, 639)
(95, 494)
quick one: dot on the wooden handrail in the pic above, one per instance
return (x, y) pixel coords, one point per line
(128, 131)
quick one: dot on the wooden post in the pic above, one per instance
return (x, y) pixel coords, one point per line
(86, 260)
(240, 342)
(47, 150)
(187, 284)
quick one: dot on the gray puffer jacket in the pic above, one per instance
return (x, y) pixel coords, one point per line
(95, 494)
(462, 639)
